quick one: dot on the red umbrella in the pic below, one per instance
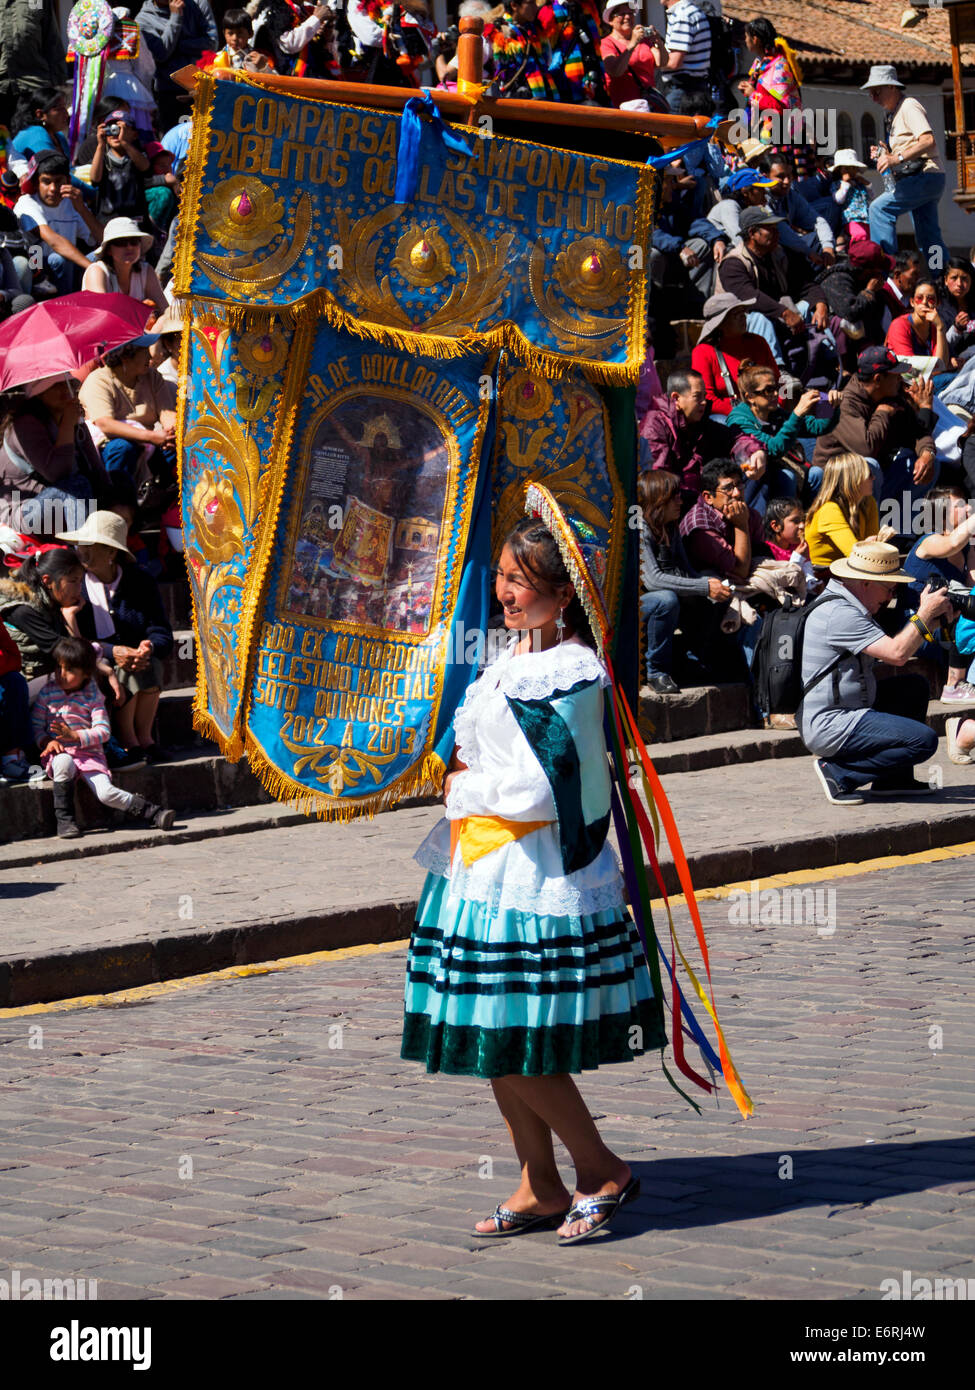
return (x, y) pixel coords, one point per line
(63, 334)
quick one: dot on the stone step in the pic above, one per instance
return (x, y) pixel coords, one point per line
(179, 667)
(697, 711)
(175, 595)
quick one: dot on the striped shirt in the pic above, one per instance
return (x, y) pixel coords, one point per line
(688, 32)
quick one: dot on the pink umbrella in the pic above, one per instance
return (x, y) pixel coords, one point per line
(63, 334)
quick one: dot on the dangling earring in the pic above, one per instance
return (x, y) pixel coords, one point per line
(560, 626)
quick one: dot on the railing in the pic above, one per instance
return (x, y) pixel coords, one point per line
(965, 156)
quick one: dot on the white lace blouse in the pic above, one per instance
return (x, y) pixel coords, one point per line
(505, 778)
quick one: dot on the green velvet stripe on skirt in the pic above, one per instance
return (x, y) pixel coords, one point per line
(525, 994)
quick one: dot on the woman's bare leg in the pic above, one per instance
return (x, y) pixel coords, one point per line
(146, 703)
(541, 1190)
(556, 1101)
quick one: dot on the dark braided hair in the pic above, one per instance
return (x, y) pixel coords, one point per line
(55, 564)
(535, 552)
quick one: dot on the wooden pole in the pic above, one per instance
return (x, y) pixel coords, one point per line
(470, 53)
(669, 130)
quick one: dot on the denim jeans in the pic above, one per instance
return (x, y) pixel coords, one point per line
(898, 482)
(919, 195)
(64, 273)
(758, 323)
(889, 740)
(15, 730)
(660, 610)
(815, 477)
(64, 508)
(775, 482)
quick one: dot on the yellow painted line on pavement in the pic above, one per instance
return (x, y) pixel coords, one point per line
(165, 987)
(830, 871)
(230, 972)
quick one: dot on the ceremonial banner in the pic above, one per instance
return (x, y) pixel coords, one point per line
(367, 385)
(289, 203)
(363, 608)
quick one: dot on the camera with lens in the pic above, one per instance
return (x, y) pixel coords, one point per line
(961, 600)
(445, 44)
(113, 130)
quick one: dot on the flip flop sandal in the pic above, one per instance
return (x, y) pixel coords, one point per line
(521, 1221)
(591, 1207)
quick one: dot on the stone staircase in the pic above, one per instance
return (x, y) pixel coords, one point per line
(703, 727)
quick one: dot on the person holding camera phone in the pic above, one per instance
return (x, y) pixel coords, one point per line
(946, 560)
(117, 169)
(631, 53)
(913, 170)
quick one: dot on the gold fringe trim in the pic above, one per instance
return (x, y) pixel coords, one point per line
(424, 778)
(189, 203)
(231, 748)
(269, 506)
(543, 362)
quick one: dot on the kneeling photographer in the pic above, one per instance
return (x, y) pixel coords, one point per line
(944, 558)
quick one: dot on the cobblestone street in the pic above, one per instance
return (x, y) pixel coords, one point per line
(258, 1137)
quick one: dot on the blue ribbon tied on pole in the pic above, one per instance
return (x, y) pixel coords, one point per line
(410, 134)
(660, 161)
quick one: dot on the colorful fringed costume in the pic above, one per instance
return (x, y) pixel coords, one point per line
(776, 79)
(521, 59)
(575, 65)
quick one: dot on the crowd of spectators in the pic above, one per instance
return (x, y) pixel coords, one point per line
(828, 372)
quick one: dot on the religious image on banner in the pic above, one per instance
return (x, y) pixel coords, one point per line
(373, 487)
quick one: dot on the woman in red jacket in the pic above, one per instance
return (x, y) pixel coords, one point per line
(722, 347)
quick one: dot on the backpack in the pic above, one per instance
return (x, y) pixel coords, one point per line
(777, 665)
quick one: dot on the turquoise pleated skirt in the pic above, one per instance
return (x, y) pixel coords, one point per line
(511, 992)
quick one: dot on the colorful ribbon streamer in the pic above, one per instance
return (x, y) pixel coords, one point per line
(632, 826)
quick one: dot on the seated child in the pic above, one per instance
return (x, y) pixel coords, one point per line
(784, 525)
(238, 30)
(70, 724)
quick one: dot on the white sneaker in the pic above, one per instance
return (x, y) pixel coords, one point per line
(956, 754)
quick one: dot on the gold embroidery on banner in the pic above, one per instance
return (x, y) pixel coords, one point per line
(229, 273)
(331, 764)
(226, 438)
(470, 301)
(591, 272)
(570, 332)
(423, 257)
(212, 338)
(242, 213)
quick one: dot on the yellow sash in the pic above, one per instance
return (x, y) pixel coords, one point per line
(480, 835)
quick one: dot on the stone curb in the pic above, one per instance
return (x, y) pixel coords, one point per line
(46, 978)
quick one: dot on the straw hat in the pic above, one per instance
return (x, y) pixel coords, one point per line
(753, 149)
(101, 528)
(872, 560)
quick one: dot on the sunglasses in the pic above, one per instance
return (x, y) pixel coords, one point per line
(126, 241)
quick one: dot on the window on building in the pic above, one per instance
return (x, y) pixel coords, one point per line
(844, 131)
(868, 135)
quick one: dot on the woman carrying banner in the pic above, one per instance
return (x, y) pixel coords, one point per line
(524, 965)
